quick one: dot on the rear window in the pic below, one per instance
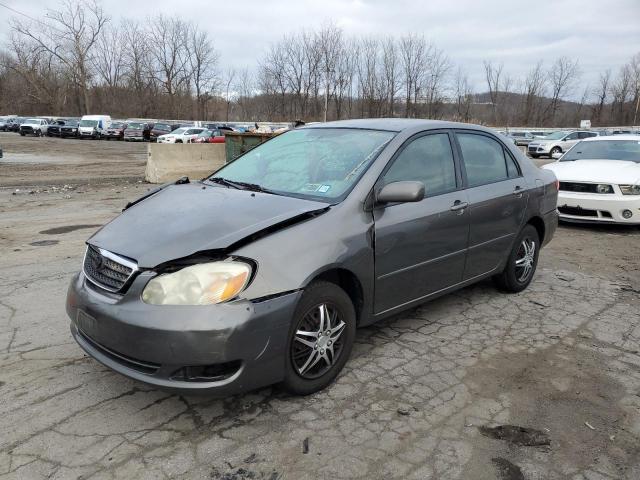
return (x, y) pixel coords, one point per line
(484, 159)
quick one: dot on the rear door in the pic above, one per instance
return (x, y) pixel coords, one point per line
(420, 247)
(497, 196)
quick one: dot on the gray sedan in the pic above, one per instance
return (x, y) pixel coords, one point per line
(260, 273)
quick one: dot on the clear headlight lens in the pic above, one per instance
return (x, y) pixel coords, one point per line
(603, 188)
(202, 284)
(630, 189)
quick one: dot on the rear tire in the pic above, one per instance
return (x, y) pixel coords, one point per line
(313, 359)
(522, 262)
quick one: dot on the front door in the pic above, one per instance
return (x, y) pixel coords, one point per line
(497, 201)
(420, 247)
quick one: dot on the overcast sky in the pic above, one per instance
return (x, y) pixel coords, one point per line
(600, 33)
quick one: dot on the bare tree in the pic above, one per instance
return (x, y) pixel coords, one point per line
(492, 76)
(562, 76)
(601, 93)
(70, 35)
(412, 54)
(437, 67)
(463, 96)
(390, 66)
(533, 91)
(170, 55)
(202, 65)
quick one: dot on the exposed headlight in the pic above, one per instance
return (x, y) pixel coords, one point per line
(630, 189)
(202, 284)
(603, 188)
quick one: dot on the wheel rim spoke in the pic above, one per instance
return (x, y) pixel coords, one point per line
(314, 357)
(316, 345)
(308, 343)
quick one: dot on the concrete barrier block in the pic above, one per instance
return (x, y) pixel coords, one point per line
(167, 162)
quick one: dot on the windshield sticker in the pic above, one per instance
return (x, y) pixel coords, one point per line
(324, 188)
(311, 187)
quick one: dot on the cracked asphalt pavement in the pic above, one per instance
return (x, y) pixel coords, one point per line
(415, 401)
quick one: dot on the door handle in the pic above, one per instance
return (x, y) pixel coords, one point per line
(459, 206)
(518, 191)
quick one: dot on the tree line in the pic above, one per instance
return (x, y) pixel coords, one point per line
(78, 60)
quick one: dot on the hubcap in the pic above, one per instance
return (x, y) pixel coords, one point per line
(525, 259)
(317, 344)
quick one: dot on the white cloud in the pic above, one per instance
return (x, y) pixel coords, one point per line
(600, 33)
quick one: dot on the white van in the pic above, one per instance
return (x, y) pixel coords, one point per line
(93, 126)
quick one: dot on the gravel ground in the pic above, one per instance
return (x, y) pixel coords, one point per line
(419, 398)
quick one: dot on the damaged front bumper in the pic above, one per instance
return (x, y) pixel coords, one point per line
(214, 349)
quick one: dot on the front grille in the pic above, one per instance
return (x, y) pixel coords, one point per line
(582, 187)
(578, 212)
(107, 270)
(141, 366)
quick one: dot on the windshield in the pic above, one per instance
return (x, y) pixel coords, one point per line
(71, 123)
(179, 131)
(162, 126)
(88, 123)
(135, 125)
(32, 120)
(628, 150)
(555, 136)
(117, 125)
(205, 133)
(322, 163)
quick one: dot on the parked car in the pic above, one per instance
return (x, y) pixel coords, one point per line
(521, 138)
(600, 180)
(14, 125)
(53, 130)
(557, 142)
(208, 136)
(115, 131)
(137, 131)
(270, 263)
(160, 129)
(34, 126)
(69, 129)
(4, 124)
(93, 126)
(180, 135)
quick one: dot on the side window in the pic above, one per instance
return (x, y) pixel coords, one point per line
(573, 136)
(512, 168)
(428, 159)
(484, 159)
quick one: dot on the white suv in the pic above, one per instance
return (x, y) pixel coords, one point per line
(557, 143)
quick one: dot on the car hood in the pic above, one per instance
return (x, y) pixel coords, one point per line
(181, 220)
(610, 171)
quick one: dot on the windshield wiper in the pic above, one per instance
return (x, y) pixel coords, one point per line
(254, 187)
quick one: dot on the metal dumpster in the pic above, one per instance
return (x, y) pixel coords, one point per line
(237, 143)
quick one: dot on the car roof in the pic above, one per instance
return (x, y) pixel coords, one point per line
(396, 124)
(612, 137)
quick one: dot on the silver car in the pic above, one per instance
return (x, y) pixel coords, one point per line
(557, 143)
(261, 273)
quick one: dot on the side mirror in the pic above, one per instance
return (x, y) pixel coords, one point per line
(401, 192)
(556, 155)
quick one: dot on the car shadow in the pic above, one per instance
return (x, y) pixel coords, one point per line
(601, 227)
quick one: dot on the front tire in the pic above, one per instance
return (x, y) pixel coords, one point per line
(320, 338)
(522, 262)
(554, 150)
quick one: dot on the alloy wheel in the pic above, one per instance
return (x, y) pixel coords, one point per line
(317, 343)
(525, 259)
